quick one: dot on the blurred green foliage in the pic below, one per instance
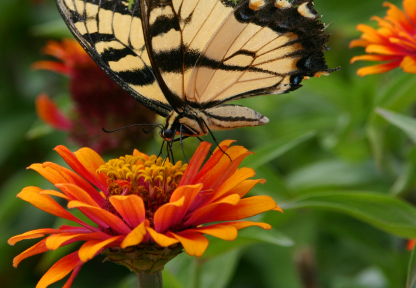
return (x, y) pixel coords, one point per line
(343, 171)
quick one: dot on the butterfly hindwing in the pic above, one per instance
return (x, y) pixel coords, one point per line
(261, 48)
(111, 32)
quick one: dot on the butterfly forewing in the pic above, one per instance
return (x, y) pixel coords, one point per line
(178, 31)
(111, 32)
(259, 50)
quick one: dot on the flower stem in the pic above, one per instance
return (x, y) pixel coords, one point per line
(150, 280)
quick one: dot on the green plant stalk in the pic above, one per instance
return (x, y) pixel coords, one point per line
(150, 280)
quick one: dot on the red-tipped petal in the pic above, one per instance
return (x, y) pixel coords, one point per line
(59, 270)
(244, 224)
(131, 208)
(239, 176)
(53, 66)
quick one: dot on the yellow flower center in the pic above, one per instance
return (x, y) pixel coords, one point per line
(153, 179)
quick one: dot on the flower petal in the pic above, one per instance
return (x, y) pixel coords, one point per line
(131, 208)
(239, 176)
(377, 69)
(370, 34)
(195, 163)
(359, 43)
(49, 113)
(198, 216)
(161, 239)
(52, 65)
(224, 232)
(32, 235)
(76, 193)
(59, 270)
(247, 207)
(397, 16)
(55, 193)
(60, 175)
(244, 187)
(38, 248)
(101, 217)
(135, 236)
(243, 224)
(55, 241)
(194, 244)
(47, 204)
(410, 9)
(165, 215)
(409, 64)
(92, 161)
(78, 167)
(91, 248)
(385, 50)
(373, 57)
(72, 277)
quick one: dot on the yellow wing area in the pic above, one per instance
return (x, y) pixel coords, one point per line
(178, 32)
(111, 32)
(261, 48)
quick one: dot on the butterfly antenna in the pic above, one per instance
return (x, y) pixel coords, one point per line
(111, 131)
(158, 125)
(180, 139)
(215, 140)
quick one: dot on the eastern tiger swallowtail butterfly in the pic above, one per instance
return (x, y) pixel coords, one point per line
(184, 59)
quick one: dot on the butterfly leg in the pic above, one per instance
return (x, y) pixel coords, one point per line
(215, 140)
(180, 139)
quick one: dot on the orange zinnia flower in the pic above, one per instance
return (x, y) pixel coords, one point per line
(98, 102)
(394, 41)
(143, 204)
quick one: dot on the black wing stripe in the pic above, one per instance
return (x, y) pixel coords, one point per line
(112, 34)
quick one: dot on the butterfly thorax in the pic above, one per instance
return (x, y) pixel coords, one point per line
(190, 122)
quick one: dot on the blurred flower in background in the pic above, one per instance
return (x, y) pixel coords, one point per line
(147, 210)
(394, 41)
(98, 102)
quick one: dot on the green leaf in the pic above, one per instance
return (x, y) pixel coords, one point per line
(246, 237)
(405, 123)
(384, 212)
(275, 148)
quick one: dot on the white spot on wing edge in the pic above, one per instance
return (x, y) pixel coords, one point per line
(305, 11)
(256, 4)
(282, 4)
